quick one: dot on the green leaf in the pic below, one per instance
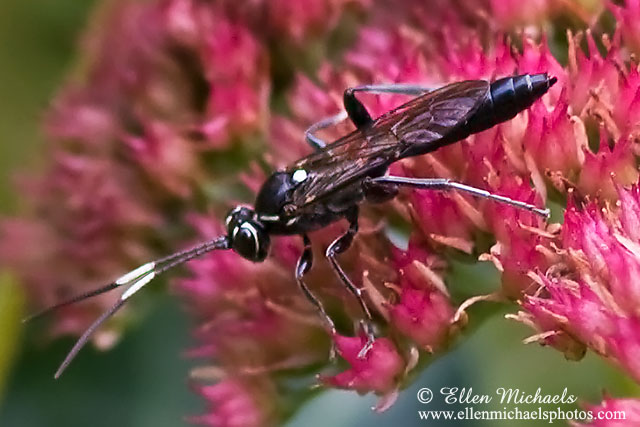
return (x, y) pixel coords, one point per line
(11, 311)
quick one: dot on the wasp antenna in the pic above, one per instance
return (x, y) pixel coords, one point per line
(137, 279)
(126, 279)
(164, 264)
(70, 301)
(86, 335)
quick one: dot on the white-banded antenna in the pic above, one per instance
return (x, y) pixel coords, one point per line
(134, 280)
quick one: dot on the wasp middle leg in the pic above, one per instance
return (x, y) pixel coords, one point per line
(316, 142)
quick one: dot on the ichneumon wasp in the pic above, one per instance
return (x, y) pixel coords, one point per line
(329, 184)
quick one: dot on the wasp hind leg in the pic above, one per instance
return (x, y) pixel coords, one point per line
(356, 111)
(340, 245)
(359, 114)
(443, 184)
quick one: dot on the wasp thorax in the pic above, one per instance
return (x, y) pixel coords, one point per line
(276, 191)
(247, 234)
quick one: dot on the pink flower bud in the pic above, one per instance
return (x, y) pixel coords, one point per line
(379, 371)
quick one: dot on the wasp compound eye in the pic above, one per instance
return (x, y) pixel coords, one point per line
(250, 241)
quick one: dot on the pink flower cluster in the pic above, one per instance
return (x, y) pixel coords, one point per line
(589, 296)
(128, 145)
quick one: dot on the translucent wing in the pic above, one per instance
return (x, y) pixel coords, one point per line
(431, 117)
(422, 121)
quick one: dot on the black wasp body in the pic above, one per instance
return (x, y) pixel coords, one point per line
(329, 184)
(324, 186)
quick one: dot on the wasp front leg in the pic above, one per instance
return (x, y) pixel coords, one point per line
(304, 265)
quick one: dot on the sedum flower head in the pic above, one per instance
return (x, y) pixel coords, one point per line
(592, 296)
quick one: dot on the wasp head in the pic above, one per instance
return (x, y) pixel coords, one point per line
(247, 234)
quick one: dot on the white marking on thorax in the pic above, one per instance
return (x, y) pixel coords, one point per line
(292, 221)
(299, 176)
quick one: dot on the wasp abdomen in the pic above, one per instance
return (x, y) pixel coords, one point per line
(506, 98)
(511, 95)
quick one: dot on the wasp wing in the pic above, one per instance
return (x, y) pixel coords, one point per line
(422, 121)
(431, 117)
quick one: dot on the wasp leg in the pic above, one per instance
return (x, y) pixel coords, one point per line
(447, 184)
(378, 192)
(318, 143)
(356, 110)
(304, 265)
(340, 245)
(399, 88)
